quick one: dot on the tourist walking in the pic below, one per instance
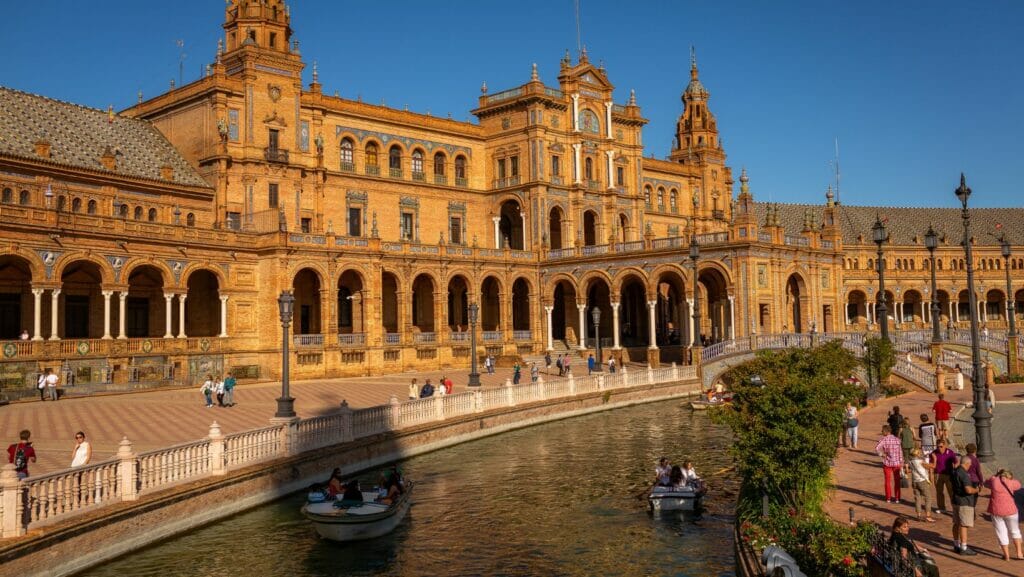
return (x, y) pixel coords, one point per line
(547, 363)
(990, 399)
(41, 385)
(220, 392)
(516, 373)
(427, 390)
(907, 441)
(1004, 512)
(611, 364)
(534, 372)
(82, 453)
(851, 424)
(895, 420)
(943, 461)
(889, 449)
(229, 390)
(591, 363)
(958, 378)
(207, 390)
(560, 365)
(414, 390)
(965, 497)
(440, 389)
(926, 433)
(490, 364)
(448, 386)
(51, 384)
(919, 479)
(20, 454)
(487, 364)
(942, 409)
(566, 364)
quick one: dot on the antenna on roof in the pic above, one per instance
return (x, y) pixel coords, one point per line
(837, 170)
(181, 61)
(579, 41)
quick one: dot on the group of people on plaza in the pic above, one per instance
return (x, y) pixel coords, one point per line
(444, 387)
(921, 458)
(223, 389)
(47, 385)
(22, 453)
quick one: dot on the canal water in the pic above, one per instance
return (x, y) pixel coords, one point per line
(559, 499)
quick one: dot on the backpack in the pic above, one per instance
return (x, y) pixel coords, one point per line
(20, 462)
(558, 363)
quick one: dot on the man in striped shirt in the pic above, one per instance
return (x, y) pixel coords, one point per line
(889, 449)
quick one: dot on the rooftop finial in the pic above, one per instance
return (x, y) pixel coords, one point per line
(483, 87)
(220, 48)
(533, 73)
(140, 97)
(316, 73)
(829, 196)
(632, 97)
(583, 54)
(693, 62)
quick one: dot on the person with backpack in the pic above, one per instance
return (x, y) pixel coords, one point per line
(41, 385)
(21, 453)
(560, 366)
(547, 363)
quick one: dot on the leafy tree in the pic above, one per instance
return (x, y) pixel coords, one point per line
(879, 359)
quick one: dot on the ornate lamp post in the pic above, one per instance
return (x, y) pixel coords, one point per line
(982, 420)
(879, 235)
(285, 403)
(931, 242)
(697, 343)
(1010, 308)
(595, 315)
(474, 376)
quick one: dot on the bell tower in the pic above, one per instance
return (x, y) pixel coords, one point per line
(258, 26)
(697, 130)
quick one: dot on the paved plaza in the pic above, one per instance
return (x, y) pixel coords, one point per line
(858, 477)
(156, 419)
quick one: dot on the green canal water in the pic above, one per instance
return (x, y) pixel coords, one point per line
(559, 499)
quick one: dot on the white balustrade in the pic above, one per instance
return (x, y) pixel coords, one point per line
(301, 341)
(165, 467)
(61, 493)
(352, 339)
(428, 337)
(252, 446)
(491, 336)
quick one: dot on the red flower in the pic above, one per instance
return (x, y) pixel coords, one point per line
(847, 561)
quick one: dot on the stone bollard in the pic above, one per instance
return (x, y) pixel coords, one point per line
(218, 465)
(438, 406)
(126, 471)
(940, 379)
(624, 368)
(10, 502)
(394, 413)
(572, 384)
(346, 422)
(510, 396)
(675, 371)
(600, 382)
(478, 401)
(650, 375)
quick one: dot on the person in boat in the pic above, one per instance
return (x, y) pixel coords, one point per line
(334, 485)
(392, 486)
(676, 477)
(689, 473)
(352, 492)
(316, 494)
(662, 471)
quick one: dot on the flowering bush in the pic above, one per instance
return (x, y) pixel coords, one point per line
(1007, 378)
(819, 545)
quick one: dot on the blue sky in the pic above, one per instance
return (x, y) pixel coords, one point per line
(915, 91)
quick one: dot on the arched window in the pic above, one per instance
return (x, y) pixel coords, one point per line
(871, 263)
(138, 213)
(61, 201)
(661, 197)
(588, 169)
(76, 205)
(123, 211)
(647, 195)
(347, 162)
(395, 158)
(588, 122)
(439, 164)
(152, 215)
(460, 170)
(672, 196)
(23, 197)
(417, 161)
(190, 219)
(91, 207)
(371, 154)
(8, 196)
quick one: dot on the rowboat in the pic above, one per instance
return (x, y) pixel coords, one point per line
(347, 521)
(681, 498)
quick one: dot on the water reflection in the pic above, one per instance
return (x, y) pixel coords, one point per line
(561, 499)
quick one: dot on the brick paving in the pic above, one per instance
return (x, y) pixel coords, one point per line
(858, 479)
(156, 419)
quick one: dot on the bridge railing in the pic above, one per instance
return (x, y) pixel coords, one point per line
(36, 501)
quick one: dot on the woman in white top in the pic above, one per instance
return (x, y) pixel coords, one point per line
(662, 471)
(959, 376)
(922, 486)
(689, 473)
(850, 418)
(83, 451)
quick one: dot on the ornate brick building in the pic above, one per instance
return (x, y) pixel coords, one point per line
(152, 244)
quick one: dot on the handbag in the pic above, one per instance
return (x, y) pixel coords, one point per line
(852, 423)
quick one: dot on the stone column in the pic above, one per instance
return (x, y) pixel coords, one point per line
(582, 308)
(615, 325)
(550, 336)
(37, 314)
(651, 333)
(611, 167)
(122, 307)
(126, 470)
(577, 165)
(11, 496)
(846, 314)
(522, 218)
(54, 306)
(954, 311)
(690, 321)
(168, 299)
(181, 315)
(217, 464)
(223, 316)
(575, 112)
(981, 308)
(106, 314)
(497, 231)
(732, 317)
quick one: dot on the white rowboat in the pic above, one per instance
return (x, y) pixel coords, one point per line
(366, 520)
(684, 498)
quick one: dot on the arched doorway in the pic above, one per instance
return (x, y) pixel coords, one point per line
(82, 302)
(995, 306)
(944, 310)
(963, 307)
(563, 314)
(714, 303)
(555, 224)
(490, 305)
(202, 307)
(794, 304)
(856, 308)
(458, 304)
(633, 322)
(599, 296)
(589, 228)
(1018, 306)
(16, 299)
(306, 318)
(910, 311)
(351, 301)
(510, 226)
(520, 305)
(672, 315)
(389, 307)
(623, 228)
(146, 308)
(423, 304)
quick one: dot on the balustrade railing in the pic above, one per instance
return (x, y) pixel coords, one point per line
(522, 335)
(458, 337)
(62, 493)
(352, 339)
(165, 467)
(631, 246)
(596, 249)
(491, 336)
(252, 446)
(671, 242)
(562, 253)
(392, 338)
(304, 341)
(424, 338)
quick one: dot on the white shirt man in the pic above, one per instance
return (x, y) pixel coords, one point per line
(51, 384)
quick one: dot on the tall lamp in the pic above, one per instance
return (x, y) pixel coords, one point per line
(931, 242)
(285, 403)
(982, 420)
(697, 343)
(595, 315)
(474, 376)
(1010, 307)
(879, 235)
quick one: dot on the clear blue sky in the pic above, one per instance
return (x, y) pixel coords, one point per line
(916, 91)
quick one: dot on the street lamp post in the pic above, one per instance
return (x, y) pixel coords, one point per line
(697, 344)
(595, 315)
(285, 403)
(474, 376)
(1010, 308)
(879, 235)
(931, 242)
(982, 420)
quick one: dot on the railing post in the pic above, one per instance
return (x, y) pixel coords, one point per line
(510, 398)
(940, 378)
(345, 416)
(126, 471)
(217, 464)
(394, 413)
(10, 523)
(572, 383)
(540, 387)
(600, 382)
(439, 407)
(650, 375)
(478, 401)
(675, 371)
(288, 441)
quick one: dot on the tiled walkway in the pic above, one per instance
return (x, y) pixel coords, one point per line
(858, 477)
(158, 419)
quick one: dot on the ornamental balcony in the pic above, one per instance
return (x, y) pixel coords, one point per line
(276, 155)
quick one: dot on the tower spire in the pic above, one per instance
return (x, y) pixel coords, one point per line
(693, 63)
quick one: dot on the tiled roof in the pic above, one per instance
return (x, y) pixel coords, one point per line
(904, 223)
(78, 137)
